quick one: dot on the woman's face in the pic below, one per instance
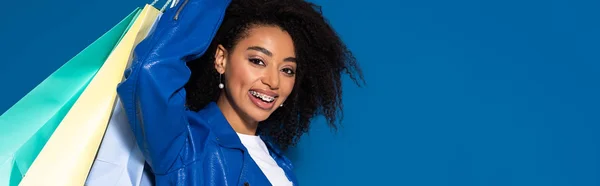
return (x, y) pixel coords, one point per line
(259, 72)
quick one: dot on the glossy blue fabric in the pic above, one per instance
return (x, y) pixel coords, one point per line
(185, 147)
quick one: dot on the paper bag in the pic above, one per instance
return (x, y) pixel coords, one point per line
(26, 126)
(119, 161)
(68, 155)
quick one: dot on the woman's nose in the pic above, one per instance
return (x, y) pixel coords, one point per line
(271, 78)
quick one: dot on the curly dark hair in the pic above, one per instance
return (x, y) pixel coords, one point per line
(321, 55)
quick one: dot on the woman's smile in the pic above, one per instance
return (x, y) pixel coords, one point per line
(263, 99)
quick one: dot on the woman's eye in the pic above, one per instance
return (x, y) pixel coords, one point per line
(257, 62)
(288, 71)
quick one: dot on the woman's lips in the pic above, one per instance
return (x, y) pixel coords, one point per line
(260, 103)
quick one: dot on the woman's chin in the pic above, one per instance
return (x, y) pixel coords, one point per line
(258, 115)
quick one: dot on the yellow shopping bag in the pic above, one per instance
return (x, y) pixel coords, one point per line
(68, 155)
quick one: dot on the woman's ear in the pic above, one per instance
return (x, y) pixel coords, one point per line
(220, 59)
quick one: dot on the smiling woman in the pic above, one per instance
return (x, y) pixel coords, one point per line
(215, 94)
(259, 74)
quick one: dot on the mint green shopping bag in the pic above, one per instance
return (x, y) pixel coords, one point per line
(26, 126)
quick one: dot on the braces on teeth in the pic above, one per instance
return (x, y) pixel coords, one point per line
(262, 96)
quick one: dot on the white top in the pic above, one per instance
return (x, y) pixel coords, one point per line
(260, 154)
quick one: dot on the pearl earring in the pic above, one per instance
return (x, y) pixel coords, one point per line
(221, 86)
(281, 105)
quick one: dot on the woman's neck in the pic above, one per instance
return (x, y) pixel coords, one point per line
(235, 118)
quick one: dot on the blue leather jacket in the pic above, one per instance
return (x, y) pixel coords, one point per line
(185, 147)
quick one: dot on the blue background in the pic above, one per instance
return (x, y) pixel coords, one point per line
(468, 92)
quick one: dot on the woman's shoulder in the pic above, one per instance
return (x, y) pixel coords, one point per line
(207, 116)
(209, 123)
(200, 122)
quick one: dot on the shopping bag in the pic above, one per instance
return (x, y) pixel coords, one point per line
(27, 125)
(68, 155)
(119, 161)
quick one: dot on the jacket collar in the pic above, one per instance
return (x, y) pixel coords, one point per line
(224, 133)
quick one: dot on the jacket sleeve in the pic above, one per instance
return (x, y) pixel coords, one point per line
(152, 93)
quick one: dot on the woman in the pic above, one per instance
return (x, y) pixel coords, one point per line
(220, 86)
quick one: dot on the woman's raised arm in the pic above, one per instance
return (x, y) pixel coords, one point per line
(152, 93)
